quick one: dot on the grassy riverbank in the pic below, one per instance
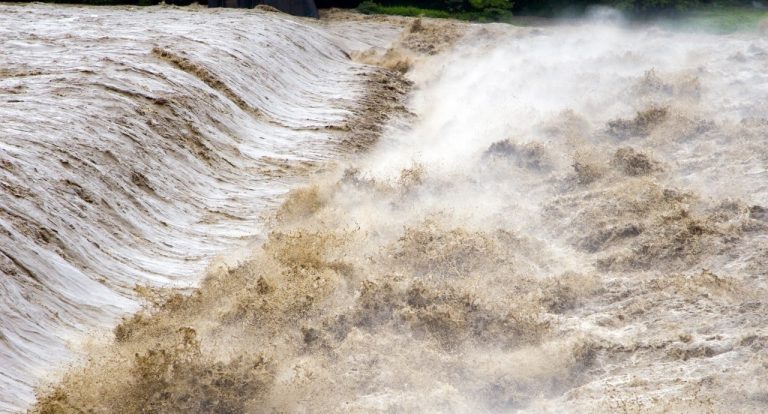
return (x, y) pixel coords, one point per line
(721, 18)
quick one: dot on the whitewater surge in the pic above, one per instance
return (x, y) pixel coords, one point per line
(572, 218)
(138, 143)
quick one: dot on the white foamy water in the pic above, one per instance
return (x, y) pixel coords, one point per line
(631, 156)
(573, 220)
(135, 145)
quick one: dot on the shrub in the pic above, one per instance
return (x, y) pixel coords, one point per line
(368, 7)
(491, 4)
(432, 8)
(645, 7)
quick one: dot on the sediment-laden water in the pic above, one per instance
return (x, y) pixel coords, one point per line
(571, 218)
(136, 145)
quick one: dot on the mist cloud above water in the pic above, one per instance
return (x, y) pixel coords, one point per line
(574, 221)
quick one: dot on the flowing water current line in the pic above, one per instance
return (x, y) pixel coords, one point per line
(569, 225)
(137, 144)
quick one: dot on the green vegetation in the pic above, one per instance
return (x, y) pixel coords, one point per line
(369, 7)
(722, 19)
(721, 16)
(476, 10)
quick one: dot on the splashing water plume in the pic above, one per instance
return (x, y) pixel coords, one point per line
(573, 219)
(137, 144)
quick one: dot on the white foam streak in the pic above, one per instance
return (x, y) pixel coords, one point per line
(121, 167)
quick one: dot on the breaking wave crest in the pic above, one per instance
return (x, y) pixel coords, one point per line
(137, 144)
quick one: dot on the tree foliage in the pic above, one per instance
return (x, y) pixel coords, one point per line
(471, 9)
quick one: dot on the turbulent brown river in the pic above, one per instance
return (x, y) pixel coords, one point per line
(238, 211)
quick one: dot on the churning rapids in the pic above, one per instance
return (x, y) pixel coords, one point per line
(137, 144)
(571, 218)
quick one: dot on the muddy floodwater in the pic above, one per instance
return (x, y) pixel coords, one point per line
(138, 144)
(240, 211)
